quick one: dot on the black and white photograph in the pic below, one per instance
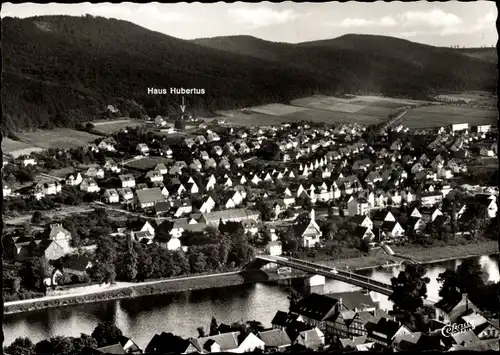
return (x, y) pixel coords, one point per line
(294, 177)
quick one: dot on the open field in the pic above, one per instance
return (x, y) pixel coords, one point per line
(276, 109)
(16, 148)
(308, 114)
(368, 105)
(442, 115)
(145, 163)
(331, 117)
(465, 96)
(63, 138)
(110, 127)
(254, 119)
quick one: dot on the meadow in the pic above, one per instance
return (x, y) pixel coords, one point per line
(277, 109)
(110, 127)
(145, 163)
(62, 138)
(17, 148)
(443, 115)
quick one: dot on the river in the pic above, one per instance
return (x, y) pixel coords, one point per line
(182, 313)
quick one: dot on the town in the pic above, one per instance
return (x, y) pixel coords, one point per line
(186, 196)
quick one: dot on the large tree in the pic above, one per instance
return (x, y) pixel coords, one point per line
(106, 333)
(470, 275)
(104, 269)
(20, 346)
(409, 288)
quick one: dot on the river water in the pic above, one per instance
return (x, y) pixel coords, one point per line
(182, 313)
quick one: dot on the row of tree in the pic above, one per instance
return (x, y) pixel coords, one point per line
(104, 334)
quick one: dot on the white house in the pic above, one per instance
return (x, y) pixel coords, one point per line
(46, 188)
(29, 161)
(6, 189)
(127, 180)
(358, 206)
(111, 196)
(95, 171)
(74, 180)
(142, 148)
(154, 176)
(89, 185)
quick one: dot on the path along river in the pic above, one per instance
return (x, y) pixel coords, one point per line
(182, 313)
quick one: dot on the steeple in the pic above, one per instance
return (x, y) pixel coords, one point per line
(313, 215)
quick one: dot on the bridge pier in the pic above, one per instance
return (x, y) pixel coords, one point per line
(316, 284)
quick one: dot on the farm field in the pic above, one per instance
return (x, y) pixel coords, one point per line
(333, 117)
(16, 148)
(307, 114)
(110, 127)
(145, 163)
(375, 106)
(239, 118)
(276, 109)
(442, 115)
(63, 138)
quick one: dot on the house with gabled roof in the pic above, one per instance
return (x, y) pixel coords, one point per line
(89, 185)
(450, 309)
(363, 221)
(211, 182)
(111, 196)
(127, 180)
(210, 163)
(313, 339)
(233, 342)
(111, 165)
(385, 330)
(392, 230)
(154, 176)
(126, 194)
(108, 144)
(142, 148)
(161, 168)
(358, 206)
(147, 198)
(204, 155)
(196, 165)
(364, 233)
(275, 339)
(95, 171)
(308, 232)
(217, 150)
(74, 179)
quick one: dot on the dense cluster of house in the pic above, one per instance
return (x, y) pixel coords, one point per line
(351, 320)
(347, 320)
(320, 165)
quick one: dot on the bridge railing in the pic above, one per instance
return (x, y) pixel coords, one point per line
(340, 274)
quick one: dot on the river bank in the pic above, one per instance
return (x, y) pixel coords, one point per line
(418, 253)
(158, 287)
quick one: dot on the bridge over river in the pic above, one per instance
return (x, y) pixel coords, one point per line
(349, 277)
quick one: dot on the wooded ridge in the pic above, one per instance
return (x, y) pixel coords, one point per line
(62, 70)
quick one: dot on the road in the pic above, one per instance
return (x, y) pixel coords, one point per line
(394, 120)
(114, 287)
(142, 215)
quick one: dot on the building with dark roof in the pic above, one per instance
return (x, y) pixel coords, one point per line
(315, 309)
(449, 309)
(276, 339)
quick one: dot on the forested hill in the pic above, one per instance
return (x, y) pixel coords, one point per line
(486, 54)
(391, 61)
(60, 70)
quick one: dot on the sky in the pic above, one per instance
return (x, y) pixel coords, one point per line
(469, 24)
